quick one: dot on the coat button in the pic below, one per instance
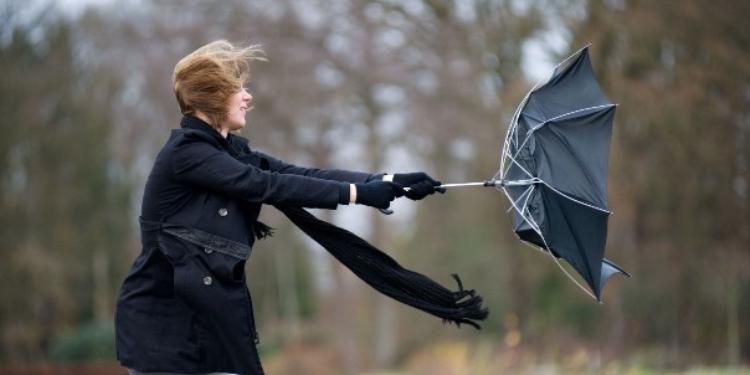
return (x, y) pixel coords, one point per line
(208, 251)
(207, 280)
(223, 211)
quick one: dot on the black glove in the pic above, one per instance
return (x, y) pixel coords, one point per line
(420, 184)
(378, 194)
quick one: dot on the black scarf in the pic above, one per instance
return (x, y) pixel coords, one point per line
(384, 274)
(373, 266)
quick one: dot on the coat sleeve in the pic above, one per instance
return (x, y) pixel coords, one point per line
(203, 165)
(278, 166)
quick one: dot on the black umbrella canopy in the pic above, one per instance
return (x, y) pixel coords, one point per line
(555, 161)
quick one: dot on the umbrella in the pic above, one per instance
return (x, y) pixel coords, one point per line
(553, 170)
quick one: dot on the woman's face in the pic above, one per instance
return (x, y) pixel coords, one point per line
(239, 103)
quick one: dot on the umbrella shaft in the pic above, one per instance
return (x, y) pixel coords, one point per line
(469, 184)
(489, 183)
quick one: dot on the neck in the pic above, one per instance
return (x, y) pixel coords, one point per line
(221, 130)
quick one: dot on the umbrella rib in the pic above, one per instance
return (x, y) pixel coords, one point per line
(526, 203)
(582, 253)
(545, 122)
(513, 160)
(526, 191)
(541, 82)
(609, 105)
(514, 119)
(539, 180)
(520, 212)
(568, 58)
(512, 127)
(573, 199)
(588, 177)
(530, 220)
(549, 251)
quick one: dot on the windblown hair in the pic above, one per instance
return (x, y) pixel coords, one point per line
(205, 79)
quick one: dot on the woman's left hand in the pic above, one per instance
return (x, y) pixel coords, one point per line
(420, 184)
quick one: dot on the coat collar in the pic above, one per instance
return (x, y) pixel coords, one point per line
(192, 122)
(232, 142)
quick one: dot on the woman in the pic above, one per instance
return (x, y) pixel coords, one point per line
(184, 307)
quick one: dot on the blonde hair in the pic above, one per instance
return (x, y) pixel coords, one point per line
(205, 79)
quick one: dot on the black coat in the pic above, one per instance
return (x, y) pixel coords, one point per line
(185, 306)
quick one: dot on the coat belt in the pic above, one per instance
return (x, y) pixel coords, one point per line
(198, 237)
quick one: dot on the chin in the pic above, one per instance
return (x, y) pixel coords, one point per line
(236, 125)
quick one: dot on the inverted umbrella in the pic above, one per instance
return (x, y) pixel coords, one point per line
(553, 170)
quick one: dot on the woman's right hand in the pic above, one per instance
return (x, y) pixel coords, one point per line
(378, 194)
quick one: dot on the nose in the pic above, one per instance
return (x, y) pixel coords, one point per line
(247, 96)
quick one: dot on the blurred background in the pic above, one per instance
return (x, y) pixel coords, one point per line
(396, 86)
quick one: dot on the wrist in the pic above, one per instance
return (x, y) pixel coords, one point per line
(344, 193)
